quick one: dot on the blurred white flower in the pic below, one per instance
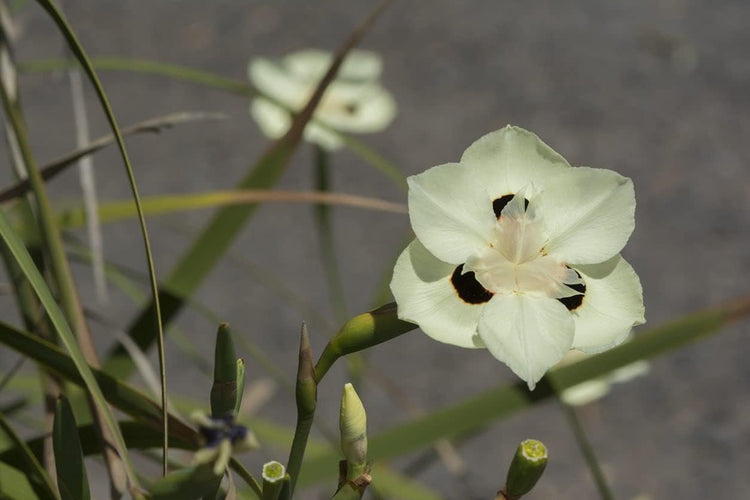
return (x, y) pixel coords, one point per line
(354, 102)
(518, 252)
(591, 390)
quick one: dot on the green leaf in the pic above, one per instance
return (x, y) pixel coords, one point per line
(190, 483)
(59, 165)
(501, 402)
(80, 55)
(61, 326)
(116, 392)
(71, 472)
(14, 483)
(37, 476)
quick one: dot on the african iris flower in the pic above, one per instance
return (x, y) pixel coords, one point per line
(354, 102)
(518, 252)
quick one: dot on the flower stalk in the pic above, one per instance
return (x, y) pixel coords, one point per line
(306, 392)
(362, 332)
(274, 478)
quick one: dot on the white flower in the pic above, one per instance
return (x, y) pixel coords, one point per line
(518, 252)
(354, 101)
(591, 390)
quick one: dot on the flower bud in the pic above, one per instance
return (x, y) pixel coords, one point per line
(353, 427)
(526, 468)
(224, 389)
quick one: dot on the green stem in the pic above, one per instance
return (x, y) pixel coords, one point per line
(325, 235)
(587, 451)
(306, 392)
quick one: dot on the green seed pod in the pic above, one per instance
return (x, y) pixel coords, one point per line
(526, 469)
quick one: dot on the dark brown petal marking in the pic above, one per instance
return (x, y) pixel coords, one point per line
(574, 302)
(468, 288)
(499, 203)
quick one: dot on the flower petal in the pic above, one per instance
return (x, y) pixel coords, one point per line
(273, 120)
(529, 334)
(311, 65)
(588, 214)
(612, 305)
(275, 82)
(450, 212)
(510, 159)
(359, 108)
(585, 392)
(323, 137)
(422, 287)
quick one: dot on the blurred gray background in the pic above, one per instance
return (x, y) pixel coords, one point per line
(657, 90)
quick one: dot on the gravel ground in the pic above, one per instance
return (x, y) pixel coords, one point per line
(657, 90)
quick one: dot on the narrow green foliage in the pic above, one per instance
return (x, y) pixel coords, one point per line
(325, 235)
(83, 59)
(174, 71)
(116, 392)
(35, 473)
(525, 470)
(224, 390)
(72, 481)
(361, 332)
(155, 126)
(500, 402)
(66, 335)
(579, 432)
(188, 483)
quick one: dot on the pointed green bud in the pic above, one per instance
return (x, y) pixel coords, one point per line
(274, 475)
(361, 332)
(307, 388)
(526, 469)
(224, 389)
(353, 427)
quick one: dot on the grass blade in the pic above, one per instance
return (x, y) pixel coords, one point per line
(82, 58)
(121, 395)
(174, 71)
(154, 126)
(66, 335)
(29, 464)
(166, 204)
